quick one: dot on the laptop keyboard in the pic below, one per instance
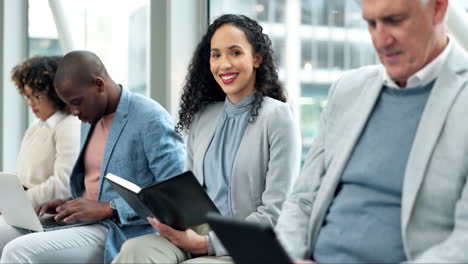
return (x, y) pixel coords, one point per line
(49, 222)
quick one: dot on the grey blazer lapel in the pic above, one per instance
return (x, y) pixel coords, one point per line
(443, 94)
(206, 129)
(366, 100)
(355, 125)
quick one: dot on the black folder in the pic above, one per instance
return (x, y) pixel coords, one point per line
(180, 201)
(248, 243)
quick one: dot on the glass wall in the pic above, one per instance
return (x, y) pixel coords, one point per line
(118, 35)
(43, 37)
(116, 30)
(314, 41)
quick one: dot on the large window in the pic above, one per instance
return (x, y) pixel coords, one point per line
(116, 30)
(118, 35)
(315, 41)
(43, 37)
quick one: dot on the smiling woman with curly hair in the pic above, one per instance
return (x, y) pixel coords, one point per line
(202, 86)
(243, 142)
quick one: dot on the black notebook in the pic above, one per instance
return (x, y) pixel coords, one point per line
(180, 201)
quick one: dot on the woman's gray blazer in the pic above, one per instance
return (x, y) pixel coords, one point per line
(267, 161)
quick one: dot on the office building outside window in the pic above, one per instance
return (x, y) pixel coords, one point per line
(314, 41)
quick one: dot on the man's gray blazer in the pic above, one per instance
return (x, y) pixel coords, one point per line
(434, 216)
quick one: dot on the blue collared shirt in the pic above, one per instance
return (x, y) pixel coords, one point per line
(219, 158)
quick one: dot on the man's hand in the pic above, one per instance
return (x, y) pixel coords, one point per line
(49, 207)
(188, 240)
(83, 210)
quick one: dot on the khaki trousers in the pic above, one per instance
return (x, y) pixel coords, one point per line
(157, 249)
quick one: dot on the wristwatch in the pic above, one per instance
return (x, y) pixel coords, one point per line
(115, 214)
(112, 205)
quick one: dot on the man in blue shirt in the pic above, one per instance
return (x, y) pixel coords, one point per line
(122, 133)
(386, 178)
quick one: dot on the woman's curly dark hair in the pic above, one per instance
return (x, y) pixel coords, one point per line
(201, 88)
(38, 73)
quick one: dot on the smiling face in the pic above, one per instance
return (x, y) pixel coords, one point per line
(41, 105)
(406, 34)
(233, 62)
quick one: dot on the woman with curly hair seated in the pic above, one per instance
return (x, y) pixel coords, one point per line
(50, 145)
(243, 142)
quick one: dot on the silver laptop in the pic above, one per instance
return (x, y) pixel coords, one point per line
(17, 210)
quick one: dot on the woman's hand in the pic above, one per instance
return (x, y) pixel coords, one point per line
(187, 240)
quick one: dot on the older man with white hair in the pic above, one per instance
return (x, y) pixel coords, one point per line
(386, 178)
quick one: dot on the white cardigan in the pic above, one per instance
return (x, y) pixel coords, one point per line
(47, 155)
